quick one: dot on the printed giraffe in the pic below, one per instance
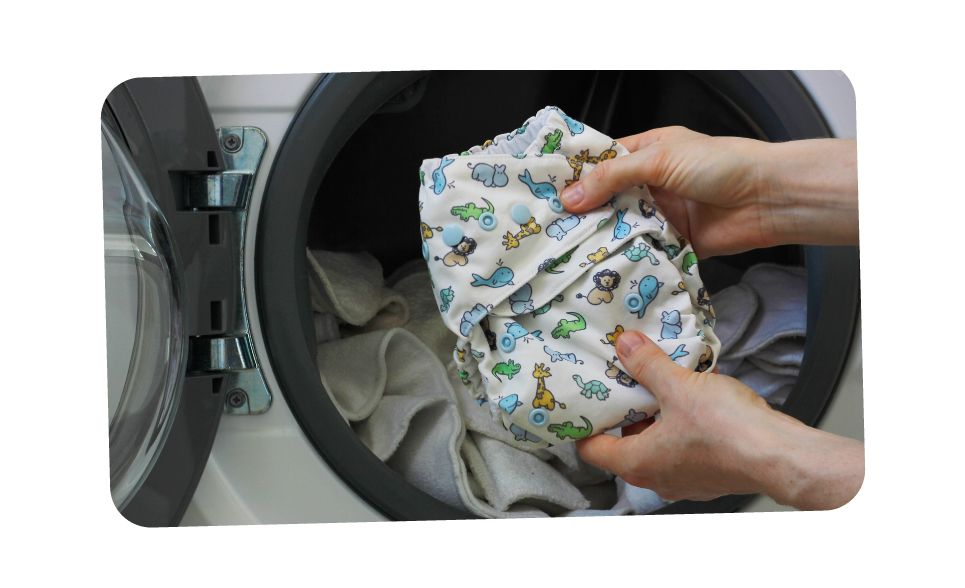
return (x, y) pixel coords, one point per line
(584, 157)
(544, 398)
(577, 166)
(530, 228)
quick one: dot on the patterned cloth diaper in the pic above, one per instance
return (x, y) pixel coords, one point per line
(538, 295)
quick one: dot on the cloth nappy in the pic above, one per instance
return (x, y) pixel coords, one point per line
(538, 295)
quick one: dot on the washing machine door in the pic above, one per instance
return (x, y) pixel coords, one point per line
(171, 301)
(145, 320)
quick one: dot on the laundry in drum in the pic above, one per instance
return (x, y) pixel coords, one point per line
(543, 293)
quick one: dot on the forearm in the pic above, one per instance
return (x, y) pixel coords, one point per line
(811, 469)
(810, 192)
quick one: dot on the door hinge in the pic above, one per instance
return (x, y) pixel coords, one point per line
(231, 354)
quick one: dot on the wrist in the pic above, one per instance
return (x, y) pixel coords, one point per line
(809, 469)
(808, 192)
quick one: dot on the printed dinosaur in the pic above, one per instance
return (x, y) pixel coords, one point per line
(506, 369)
(470, 210)
(550, 265)
(546, 307)
(568, 430)
(565, 327)
(552, 142)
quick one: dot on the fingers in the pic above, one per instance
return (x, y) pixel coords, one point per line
(638, 142)
(674, 208)
(639, 168)
(649, 364)
(608, 453)
(637, 428)
(613, 175)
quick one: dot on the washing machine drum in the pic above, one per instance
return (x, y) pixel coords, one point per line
(414, 115)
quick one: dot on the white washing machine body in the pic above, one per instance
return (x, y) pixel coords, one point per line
(263, 468)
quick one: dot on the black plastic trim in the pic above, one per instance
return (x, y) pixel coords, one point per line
(834, 303)
(775, 101)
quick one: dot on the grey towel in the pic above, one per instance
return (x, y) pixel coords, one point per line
(761, 381)
(761, 325)
(385, 358)
(781, 311)
(735, 308)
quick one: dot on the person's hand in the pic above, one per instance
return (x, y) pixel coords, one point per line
(727, 194)
(715, 436)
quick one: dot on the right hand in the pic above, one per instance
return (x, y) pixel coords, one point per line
(715, 436)
(711, 189)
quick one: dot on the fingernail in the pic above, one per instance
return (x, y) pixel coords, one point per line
(628, 342)
(573, 195)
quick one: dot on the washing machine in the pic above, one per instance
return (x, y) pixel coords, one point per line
(215, 186)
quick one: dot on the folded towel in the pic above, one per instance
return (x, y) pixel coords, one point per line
(413, 412)
(514, 476)
(736, 307)
(423, 312)
(728, 366)
(761, 327)
(783, 353)
(326, 327)
(782, 308)
(761, 381)
(357, 295)
(773, 368)
(398, 398)
(779, 396)
(637, 500)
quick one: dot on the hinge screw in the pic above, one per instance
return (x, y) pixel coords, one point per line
(231, 143)
(237, 398)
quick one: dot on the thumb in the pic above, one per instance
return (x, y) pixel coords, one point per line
(614, 175)
(649, 364)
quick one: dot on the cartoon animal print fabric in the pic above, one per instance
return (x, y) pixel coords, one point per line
(540, 295)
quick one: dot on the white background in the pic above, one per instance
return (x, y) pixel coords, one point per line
(59, 524)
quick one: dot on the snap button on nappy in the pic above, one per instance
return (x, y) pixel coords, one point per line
(555, 204)
(538, 417)
(487, 221)
(633, 302)
(521, 214)
(507, 342)
(452, 235)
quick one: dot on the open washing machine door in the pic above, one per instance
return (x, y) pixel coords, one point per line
(176, 192)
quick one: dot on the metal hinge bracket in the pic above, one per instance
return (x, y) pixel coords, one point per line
(232, 354)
